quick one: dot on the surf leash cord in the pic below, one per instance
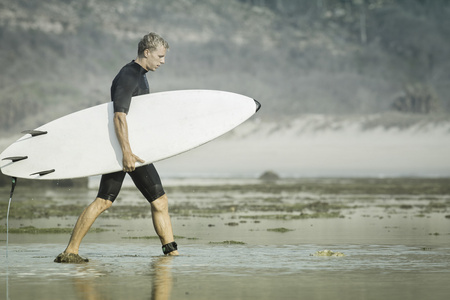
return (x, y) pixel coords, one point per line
(13, 186)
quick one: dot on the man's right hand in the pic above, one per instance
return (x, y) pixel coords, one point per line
(129, 162)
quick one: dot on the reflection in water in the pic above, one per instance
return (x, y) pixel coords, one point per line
(162, 278)
(88, 288)
(85, 285)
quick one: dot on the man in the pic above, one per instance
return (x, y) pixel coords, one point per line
(130, 81)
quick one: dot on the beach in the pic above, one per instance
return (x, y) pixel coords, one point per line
(238, 239)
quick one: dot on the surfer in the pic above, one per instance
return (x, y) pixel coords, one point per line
(130, 81)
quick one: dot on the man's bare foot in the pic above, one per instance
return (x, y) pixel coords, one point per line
(70, 258)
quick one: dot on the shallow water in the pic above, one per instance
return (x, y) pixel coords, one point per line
(133, 271)
(397, 246)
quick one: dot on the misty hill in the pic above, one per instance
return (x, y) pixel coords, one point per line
(296, 57)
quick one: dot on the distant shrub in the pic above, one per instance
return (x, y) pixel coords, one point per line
(269, 176)
(416, 98)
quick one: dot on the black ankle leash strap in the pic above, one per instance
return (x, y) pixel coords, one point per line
(170, 247)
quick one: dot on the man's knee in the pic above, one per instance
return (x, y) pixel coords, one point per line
(102, 204)
(161, 204)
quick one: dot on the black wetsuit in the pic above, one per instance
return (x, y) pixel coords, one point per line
(130, 81)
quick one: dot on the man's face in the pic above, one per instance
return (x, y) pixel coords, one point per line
(153, 59)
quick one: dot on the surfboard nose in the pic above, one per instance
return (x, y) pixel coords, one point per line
(258, 105)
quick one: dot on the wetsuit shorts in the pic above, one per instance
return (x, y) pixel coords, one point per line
(146, 179)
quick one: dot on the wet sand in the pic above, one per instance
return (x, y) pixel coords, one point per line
(239, 239)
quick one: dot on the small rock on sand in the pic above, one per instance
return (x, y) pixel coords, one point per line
(327, 253)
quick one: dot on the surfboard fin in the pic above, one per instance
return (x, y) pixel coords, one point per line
(42, 173)
(258, 105)
(34, 132)
(15, 158)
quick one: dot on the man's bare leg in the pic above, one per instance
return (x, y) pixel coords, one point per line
(84, 223)
(161, 221)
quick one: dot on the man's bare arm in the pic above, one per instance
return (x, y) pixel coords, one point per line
(121, 128)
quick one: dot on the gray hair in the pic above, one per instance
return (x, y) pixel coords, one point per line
(151, 42)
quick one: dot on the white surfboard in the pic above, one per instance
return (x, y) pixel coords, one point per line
(160, 125)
